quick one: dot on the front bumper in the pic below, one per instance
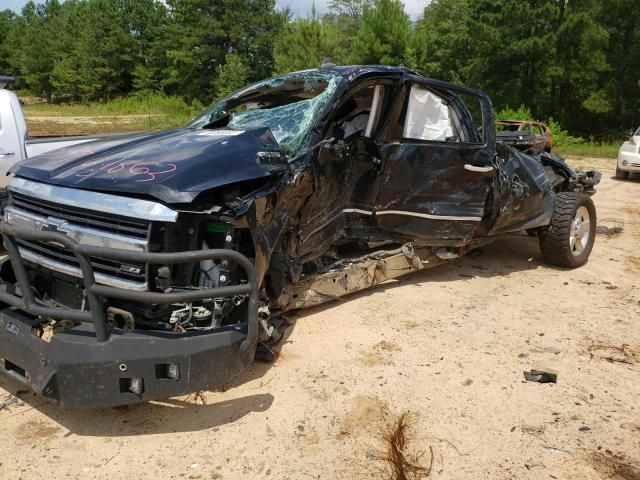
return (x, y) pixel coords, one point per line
(76, 372)
(94, 365)
(629, 157)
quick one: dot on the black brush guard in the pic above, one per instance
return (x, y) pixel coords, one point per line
(94, 365)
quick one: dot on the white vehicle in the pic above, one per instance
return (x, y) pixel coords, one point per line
(15, 144)
(629, 157)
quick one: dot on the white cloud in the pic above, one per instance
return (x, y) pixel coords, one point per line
(415, 8)
(302, 8)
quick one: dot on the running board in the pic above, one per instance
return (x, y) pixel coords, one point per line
(356, 277)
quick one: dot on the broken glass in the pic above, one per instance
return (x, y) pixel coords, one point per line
(288, 106)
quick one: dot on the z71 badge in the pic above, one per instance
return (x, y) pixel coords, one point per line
(12, 328)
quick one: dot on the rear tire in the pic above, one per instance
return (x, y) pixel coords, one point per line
(621, 174)
(569, 239)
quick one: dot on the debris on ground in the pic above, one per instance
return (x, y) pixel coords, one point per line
(533, 430)
(404, 462)
(611, 227)
(552, 349)
(613, 353)
(196, 398)
(614, 466)
(11, 401)
(557, 450)
(546, 375)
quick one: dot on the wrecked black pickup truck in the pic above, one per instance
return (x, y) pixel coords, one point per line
(154, 265)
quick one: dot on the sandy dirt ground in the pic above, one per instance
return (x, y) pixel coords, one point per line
(448, 346)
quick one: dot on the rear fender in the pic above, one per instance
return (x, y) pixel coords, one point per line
(523, 195)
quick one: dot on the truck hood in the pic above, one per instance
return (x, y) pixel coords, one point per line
(173, 166)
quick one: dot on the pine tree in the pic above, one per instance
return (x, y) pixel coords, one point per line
(620, 83)
(146, 21)
(232, 76)
(35, 56)
(345, 16)
(383, 37)
(442, 41)
(65, 76)
(104, 50)
(7, 20)
(200, 34)
(305, 43)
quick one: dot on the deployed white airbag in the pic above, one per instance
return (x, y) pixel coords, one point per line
(428, 117)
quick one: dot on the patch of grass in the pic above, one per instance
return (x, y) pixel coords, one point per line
(126, 114)
(131, 105)
(404, 465)
(588, 150)
(52, 127)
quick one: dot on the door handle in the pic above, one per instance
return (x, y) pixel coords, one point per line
(473, 168)
(4, 153)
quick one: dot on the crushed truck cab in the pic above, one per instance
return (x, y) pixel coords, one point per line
(154, 265)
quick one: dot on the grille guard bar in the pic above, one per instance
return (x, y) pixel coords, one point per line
(94, 292)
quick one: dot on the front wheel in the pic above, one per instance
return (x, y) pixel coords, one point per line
(621, 174)
(568, 240)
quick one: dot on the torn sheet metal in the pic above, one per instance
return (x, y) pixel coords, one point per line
(523, 195)
(355, 277)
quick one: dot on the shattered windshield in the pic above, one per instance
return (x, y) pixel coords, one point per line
(287, 105)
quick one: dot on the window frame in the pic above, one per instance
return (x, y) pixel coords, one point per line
(438, 90)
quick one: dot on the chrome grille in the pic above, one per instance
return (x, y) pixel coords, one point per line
(106, 222)
(37, 206)
(102, 266)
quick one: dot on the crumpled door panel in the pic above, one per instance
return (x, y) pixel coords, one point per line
(442, 202)
(523, 195)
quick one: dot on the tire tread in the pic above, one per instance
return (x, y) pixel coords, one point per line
(554, 243)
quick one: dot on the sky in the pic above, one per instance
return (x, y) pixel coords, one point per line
(302, 7)
(15, 5)
(299, 7)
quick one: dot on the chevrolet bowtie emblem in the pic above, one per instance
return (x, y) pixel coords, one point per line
(53, 224)
(47, 227)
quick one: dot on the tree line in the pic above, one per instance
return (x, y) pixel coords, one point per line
(575, 61)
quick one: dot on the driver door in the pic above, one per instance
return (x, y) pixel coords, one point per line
(436, 164)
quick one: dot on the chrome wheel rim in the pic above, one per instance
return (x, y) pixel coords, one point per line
(580, 231)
